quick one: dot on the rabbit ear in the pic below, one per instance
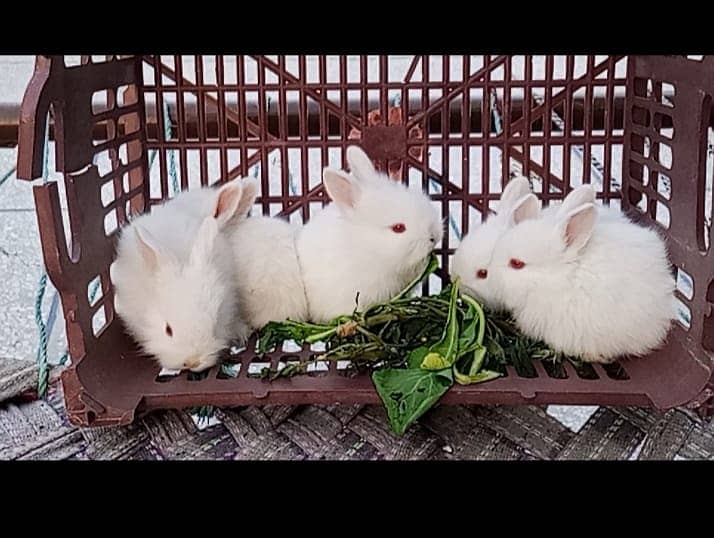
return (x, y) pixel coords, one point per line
(247, 197)
(340, 188)
(584, 194)
(233, 202)
(202, 249)
(512, 193)
(528, 207)
(578, 225)
(151, 253)
(360, 164)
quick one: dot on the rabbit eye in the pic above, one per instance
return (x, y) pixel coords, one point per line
(481, 273)
(169, 330)
(516, 263)
(399, 228)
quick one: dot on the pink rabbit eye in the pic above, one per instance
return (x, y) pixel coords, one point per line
(481, 273)
(169, 330)
(399, 228)
(516, 263)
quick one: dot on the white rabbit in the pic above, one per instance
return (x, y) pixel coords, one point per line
(473, 255)
(598, 288)
(373, 239)
(268, 276)
(173, 281)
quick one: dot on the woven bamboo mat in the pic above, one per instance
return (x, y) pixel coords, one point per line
(39, 430)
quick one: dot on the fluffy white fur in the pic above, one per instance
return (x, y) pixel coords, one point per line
(517, 203)
(174, 268)
(476, 248)
(594, 284)
(350, 246)
(268, 276)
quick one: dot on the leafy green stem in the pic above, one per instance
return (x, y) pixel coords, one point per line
(317, 337)
(481, 317)
(431, 266)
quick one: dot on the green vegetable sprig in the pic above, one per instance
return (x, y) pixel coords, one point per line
(409, 392)
(381, 333)
(415, 347)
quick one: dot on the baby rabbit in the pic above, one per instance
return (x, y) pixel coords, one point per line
(585, 280)
(373, 239)
(173, 280)
(473, 256)
(268, 276)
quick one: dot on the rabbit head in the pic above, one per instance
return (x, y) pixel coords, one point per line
(540, 253)
(179, 302)
(398, 225)
(473, 256)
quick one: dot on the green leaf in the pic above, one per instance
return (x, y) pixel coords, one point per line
(448, 346)
(468, 328)
(483, 375)
(479, 316)
(447, 374)
(409, 393)
(274, 333)
(479, 355)
(434, 361)
(416, 356)
(469, 350)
